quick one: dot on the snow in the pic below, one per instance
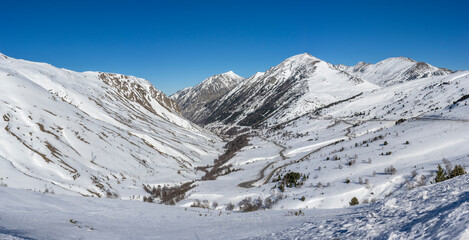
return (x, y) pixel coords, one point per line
(444, 214)
(90, 133)
(62, 129)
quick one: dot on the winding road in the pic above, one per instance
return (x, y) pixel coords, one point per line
(248, 184)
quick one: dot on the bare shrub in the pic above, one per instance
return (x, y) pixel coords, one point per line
(230, 206)
(204, 204)
(390, 170)
(422, 180)
(448, 165)
(231, 148)
(169, 195)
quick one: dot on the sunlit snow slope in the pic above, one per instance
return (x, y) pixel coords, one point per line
(92, 133)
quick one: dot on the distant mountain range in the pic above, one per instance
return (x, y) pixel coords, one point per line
(298, 85)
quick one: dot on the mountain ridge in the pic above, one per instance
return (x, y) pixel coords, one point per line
(93, 133)
(191, 99)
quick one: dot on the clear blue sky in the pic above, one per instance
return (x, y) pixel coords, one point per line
(176, 44)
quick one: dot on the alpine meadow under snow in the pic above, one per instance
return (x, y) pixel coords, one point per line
(305, 150)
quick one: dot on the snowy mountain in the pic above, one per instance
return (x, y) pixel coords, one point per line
(394, 70)
(192, 99)
(306, 135)
(93, 133)
(351, 138)
(298, 85)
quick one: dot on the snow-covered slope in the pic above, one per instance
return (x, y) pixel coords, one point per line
(192, 99)
(423, 121)
(92, 133)
(106, 134)
(394, 70)
(296, 86)
(438, 211)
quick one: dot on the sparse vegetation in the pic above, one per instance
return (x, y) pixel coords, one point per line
(248, 205)
(168, 195)
(232, 148)
(230, 206)
(291, 179)
(400, 121)
(354, 201)
(442, 174)
(204, 204)
(390, 170)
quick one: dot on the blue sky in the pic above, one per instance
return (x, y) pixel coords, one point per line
(176, 44)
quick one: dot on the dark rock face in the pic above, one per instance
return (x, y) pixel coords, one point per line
(135, 92)
(260, 96)
(192, 100)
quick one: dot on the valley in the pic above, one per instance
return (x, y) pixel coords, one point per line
(295, 143)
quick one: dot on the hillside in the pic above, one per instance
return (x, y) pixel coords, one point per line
(394, 70)
(339, 148)
(93, 133)
(192, 99)
(297, 85)
(438, 210)
(305, 135)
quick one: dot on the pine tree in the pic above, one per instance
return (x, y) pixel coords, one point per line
(458, 170)
(441, 174)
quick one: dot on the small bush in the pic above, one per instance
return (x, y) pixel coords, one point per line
(204, 204)
(354, 201)
(458, 170)
(247, 205)
(269, 203)
(400, 121)
(390, 170)
(303, 198)
(442, 174)
(230, 206)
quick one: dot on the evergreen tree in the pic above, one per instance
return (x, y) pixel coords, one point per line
(441, 174)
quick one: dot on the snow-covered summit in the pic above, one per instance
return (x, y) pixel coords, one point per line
(394, 70)
(297, 85)
(193, 98)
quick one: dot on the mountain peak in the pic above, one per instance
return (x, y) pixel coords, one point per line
(303, 57)
(231, 74)
(397, 59)
(395, 70)
(227, 78)
(194, 98)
